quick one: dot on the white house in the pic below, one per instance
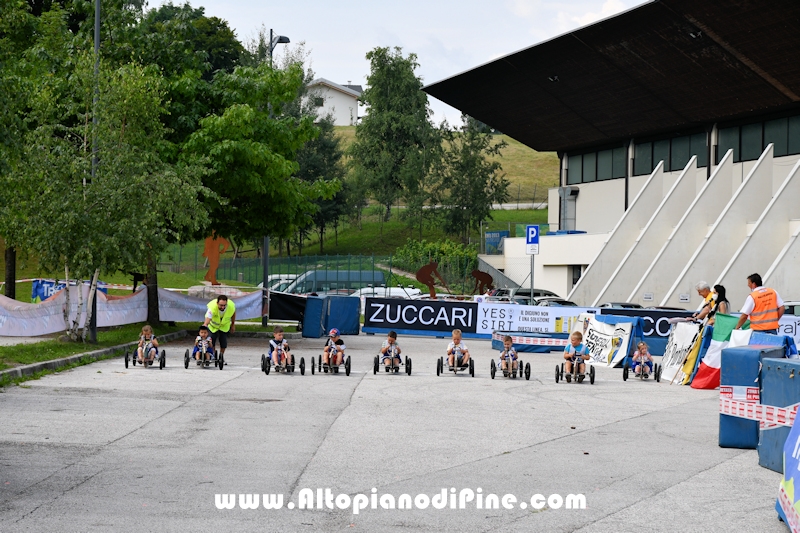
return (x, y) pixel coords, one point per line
(341, 101)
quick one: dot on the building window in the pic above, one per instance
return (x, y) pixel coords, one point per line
(728, 140)
(576, 273)
(605, 165)
(319, 101)
(619, 166)
(574, 169)
(597, 166)
(777, 133)
(699, 146)
(794, 135)
(589, 167)
(642, 159)
(681, 152)
(752, 143)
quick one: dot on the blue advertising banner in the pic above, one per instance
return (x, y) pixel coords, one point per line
(494, 240)
(42, 289)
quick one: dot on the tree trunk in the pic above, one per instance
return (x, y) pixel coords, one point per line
(321, 235)
(67, 324)
(152, 291)
(89, 332)
(11, 272)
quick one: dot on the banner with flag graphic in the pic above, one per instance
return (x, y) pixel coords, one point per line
(707, 376)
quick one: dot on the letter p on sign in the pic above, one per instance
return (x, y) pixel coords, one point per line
(532, 240)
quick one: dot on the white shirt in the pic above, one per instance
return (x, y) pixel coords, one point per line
(750, 304)
(461, 347)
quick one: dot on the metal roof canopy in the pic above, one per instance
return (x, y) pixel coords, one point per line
(658, 67)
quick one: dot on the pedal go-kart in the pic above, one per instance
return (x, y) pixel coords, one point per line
(470, 366)
(393, 368)
(573, 376)
(217, 359)
(331, 366)
(267, 364)
(511, 373)
(627, 368)
(161, 358)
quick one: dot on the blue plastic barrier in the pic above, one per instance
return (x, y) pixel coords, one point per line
(781, 389)
(767, 339)
(740, 370)
(325, 312)
(343, 313)
(314, 317)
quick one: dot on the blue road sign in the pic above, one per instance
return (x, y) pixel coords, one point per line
(532, 240)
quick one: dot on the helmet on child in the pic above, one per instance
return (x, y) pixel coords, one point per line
(333, 333)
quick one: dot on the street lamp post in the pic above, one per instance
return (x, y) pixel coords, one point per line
(274, 40)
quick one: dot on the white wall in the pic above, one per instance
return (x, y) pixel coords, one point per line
(619, 240)
(551, 267)
(553, 208)
(686, 236)
(728, 231)
(599, 205)
(343, 106)
(763, 247)
(666, 215)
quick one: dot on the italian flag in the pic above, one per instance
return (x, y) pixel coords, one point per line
(707, 376)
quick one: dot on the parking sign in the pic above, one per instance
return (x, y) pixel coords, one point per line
(532, 240)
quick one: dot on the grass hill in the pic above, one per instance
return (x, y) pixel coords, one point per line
(526, 169)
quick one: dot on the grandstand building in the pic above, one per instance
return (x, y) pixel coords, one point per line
(677, 124)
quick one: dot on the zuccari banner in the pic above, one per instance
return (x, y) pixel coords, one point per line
(420, 315)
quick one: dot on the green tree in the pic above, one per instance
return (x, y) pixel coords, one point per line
(321, 159)
(469, 183)
(250, 149)
(21, 26)
(395, 142)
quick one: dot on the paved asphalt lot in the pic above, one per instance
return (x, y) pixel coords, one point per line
(102, 448)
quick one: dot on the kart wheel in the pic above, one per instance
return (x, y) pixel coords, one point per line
(291, 367)
(591, 375)
(625, 370)
(562, 371)
(186, 359)
(658, 373)
(263, 358)
(472, 367)
(492, 368)
(127, 357)
(408, 366)
(439, 366)
(267, 366)
(162, 362)
(135, 355)
(347, 366)
(221, 361)
(302, 366)
(557, 374)
(319, 366)
(313, 366)
(527, 371)
(375, 365)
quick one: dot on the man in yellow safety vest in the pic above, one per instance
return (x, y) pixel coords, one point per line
(221, 320)
(763, 307)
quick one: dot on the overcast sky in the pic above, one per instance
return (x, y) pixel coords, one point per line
(448, 36)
